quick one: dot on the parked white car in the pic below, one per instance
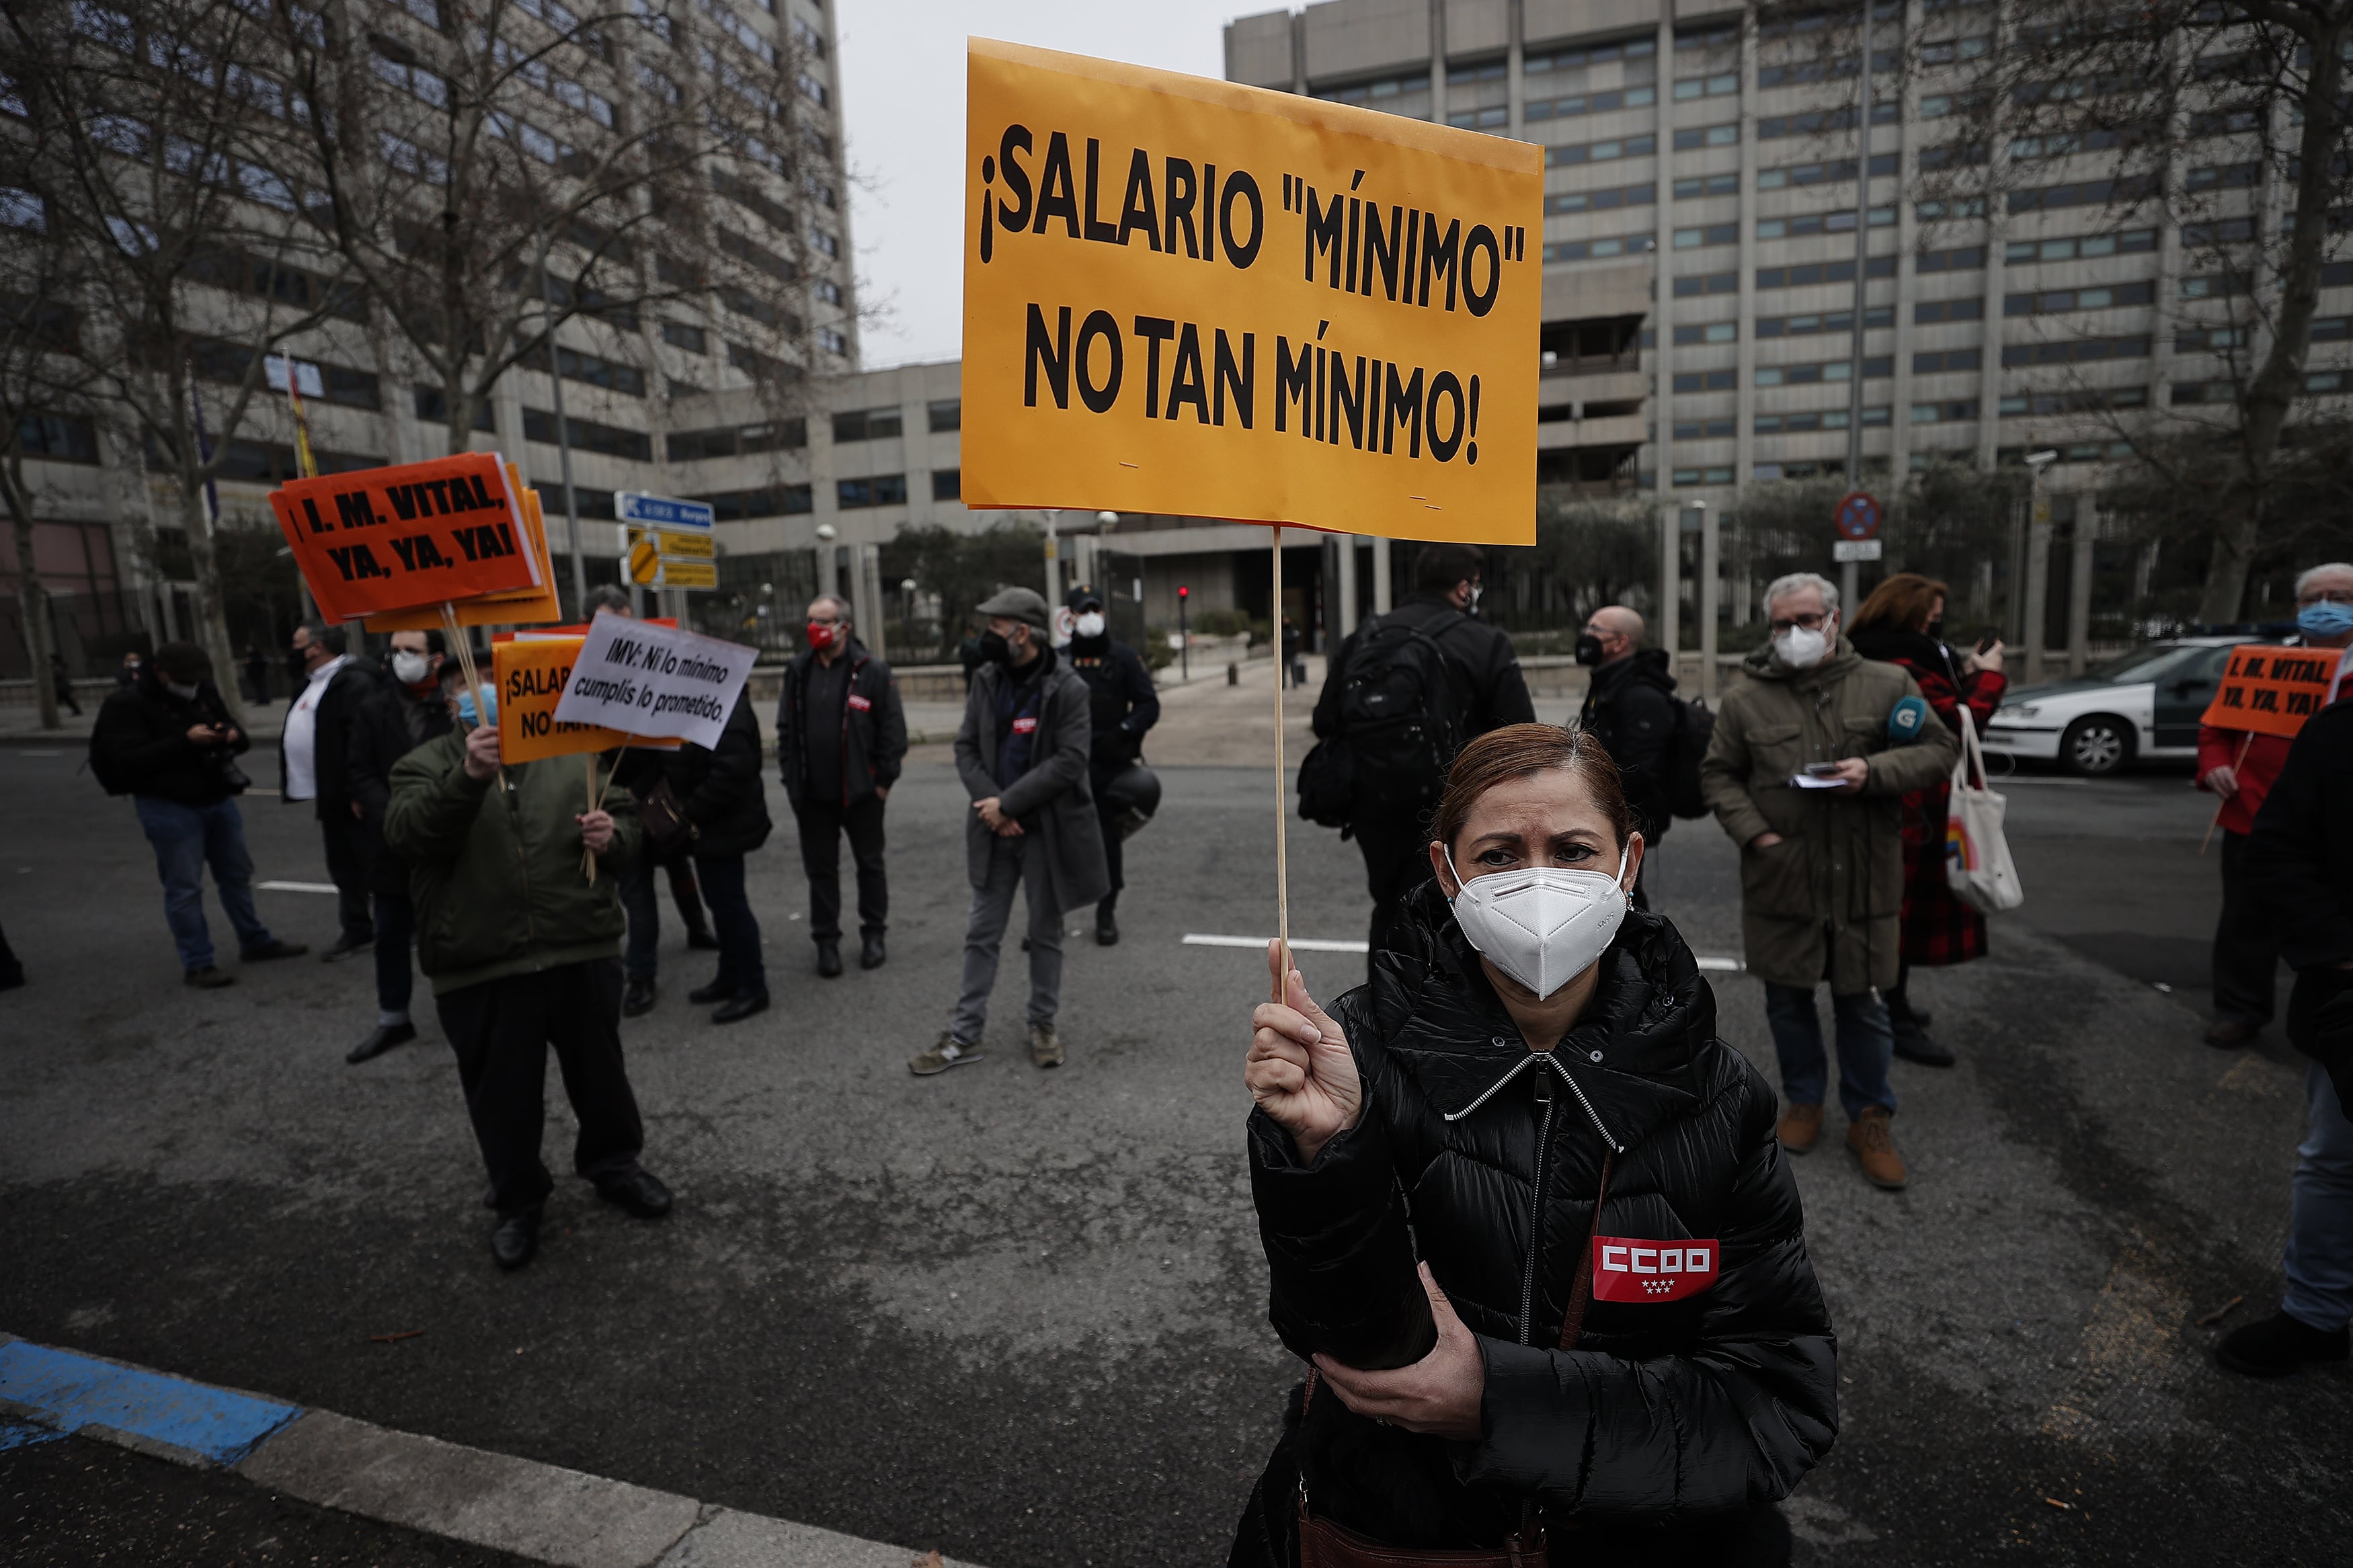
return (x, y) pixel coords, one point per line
(2142, 707)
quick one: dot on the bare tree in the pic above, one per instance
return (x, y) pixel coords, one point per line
(2213, 132)
(43, 382)
(496, 172)
(186, 255)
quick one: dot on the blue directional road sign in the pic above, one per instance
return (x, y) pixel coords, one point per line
(662, 511)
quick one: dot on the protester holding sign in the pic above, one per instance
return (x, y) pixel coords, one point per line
(2238, 758)
(522, 946)
(1615, 1334)
(1022, 754)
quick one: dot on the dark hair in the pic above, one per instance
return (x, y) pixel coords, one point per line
(331, 638)
(1441, 566)
(1903, 602)
(185, 662)
(607, 596)
(1522, 750)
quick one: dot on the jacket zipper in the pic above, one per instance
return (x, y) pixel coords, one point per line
(1536, 1209)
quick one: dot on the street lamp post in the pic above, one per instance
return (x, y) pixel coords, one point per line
(2034, 609)
(1184, 637)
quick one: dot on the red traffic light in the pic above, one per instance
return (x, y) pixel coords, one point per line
(1182, 591)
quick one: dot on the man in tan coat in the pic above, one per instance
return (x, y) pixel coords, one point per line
(1810, 753)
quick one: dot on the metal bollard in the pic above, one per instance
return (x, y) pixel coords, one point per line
(1233, 675)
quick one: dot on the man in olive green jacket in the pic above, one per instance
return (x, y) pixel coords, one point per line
(522, 946)
(1822, 867)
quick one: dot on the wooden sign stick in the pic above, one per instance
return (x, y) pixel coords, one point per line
(1281, 781)
(2244, 741)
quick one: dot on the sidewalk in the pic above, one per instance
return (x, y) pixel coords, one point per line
(540, 1513)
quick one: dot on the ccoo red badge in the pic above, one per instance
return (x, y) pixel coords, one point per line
(1627, 1269)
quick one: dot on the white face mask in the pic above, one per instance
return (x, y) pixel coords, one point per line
(184, 693)
(1800, 647)
(1091, 625)
(1542, 925)
(410, 668)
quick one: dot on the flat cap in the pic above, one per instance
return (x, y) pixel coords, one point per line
(1019, 604)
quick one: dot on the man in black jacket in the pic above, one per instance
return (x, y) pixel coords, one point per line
(400, 710)
(841, 738)
(2299, 873)
(167, 742)
(311, 767)
(1629, 707)
(1124, 706)
(725, 809)
(1486, 692)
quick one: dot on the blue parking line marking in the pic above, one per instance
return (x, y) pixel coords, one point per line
(24, 1435)
(70, 1392)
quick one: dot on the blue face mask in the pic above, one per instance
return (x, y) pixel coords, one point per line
(489, 705)
(2324, 618)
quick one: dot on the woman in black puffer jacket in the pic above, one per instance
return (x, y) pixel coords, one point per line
(1658, 1369)
(722, 795)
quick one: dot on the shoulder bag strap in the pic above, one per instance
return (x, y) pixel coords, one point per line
(1572, 1327)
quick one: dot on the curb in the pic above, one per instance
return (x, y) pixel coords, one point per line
(543, 1512)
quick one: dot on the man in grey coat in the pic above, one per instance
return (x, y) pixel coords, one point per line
(1022, 753)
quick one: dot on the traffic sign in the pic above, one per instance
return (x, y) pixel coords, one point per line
(1844, 550)
(1857, 516)
(663, 558)
(662, 511)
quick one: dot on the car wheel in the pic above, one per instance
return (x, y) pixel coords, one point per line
(2096, 746)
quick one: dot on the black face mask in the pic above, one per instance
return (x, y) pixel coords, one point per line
(1589, 649)
(994, 649)
(1936, 630)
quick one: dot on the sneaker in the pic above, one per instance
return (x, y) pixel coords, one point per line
(2279, 1344)
(1800, 1126)
(210, 977)
(1044, 1046)
(1913, 1044)
(1870, 1140)
(950, 1052)
(274, 948)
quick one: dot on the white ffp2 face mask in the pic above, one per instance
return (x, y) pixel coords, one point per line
(410, 668)
(1801, 647)
(1542, 925)
(1091, 624)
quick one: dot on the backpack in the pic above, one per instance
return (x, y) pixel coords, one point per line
(1399, 727)
(1695, 727)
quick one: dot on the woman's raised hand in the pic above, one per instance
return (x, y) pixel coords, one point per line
(1300, 1069)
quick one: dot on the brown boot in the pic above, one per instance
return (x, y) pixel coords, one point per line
(1800, 1126)
(1868, 1136)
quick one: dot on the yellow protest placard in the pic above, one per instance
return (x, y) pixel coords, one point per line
(1188, 295)
(530, 673)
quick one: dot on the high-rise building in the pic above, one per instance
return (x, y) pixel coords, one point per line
(1702, 211)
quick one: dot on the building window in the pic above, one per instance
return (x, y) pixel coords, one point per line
(1707, 333)
(1373, 88)
(1485, 119)
(832, 341)
(2085, 193)
(1944, 412)
(1601, 152)
(1929, 311)
(825, 242)
(1946, 360)
(1833, 370)
(946, 414)
(1821, 272)
(1805, 224)
(827, 292)
(739, 440)
(58, 437)
(1707, 185)
(2074, 351)
(1710, 234)
(433, 408)
(1687, 477)
(1561, 201)
(1829, 171)
(2079, 400)
(1821, 419)
(1961, 258)
(867, 425)
(1707, 381)
(883, 489)
(588, 436)
(1692, 86)
(2069, 247)
(2056, 301)
(1641, 48)
(1701, 285)
(1590, 104)
(693, 339)
(946, 484)
(1707, 136)
(1594, 249)
(1705, 430)
(1824, 322)
(738, 506)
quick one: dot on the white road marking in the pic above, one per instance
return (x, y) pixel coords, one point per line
(1728, 966)
(1304, 943)
(298, 886)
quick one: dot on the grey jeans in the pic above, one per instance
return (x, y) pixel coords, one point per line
(1012, 863)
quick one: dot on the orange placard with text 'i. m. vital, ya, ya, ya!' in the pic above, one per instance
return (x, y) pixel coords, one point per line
(2272, 690)
(522, 607)
(436, 532)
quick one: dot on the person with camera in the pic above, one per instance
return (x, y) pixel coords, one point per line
(522, 944)
(167, 742)
(1123, 706)
(1525, 1216)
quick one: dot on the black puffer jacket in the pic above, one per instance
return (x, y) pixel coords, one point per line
(719, 788)
(1675, 1423)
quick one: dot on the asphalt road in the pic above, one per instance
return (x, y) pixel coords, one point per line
(1019, 1316)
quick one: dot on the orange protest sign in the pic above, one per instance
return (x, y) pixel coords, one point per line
(529, 607)
(2272, 690)
(444, 529)
(530, 673)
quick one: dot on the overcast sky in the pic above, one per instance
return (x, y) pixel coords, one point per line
(902, 93)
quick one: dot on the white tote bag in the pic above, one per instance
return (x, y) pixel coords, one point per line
(1977, 866)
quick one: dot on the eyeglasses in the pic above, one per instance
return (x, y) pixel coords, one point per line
(2333, 596)
(1812, 622)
